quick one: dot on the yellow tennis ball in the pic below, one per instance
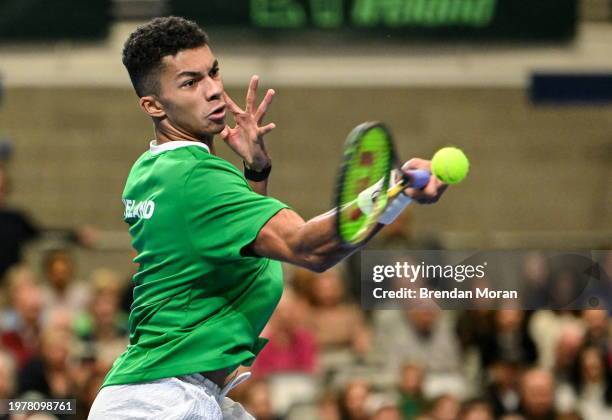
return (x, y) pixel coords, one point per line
(450, 165)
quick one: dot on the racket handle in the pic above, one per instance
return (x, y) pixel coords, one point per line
(417, 178)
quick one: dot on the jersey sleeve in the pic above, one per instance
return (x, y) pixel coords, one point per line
(222, 213)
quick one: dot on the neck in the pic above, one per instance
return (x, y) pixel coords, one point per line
(165, 132)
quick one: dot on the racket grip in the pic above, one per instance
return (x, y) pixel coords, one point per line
(417, 178)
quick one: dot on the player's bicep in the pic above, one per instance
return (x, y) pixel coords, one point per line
(279, 238)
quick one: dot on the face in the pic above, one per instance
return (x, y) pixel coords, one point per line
(60, 271)
(354, 398)
(446, 408)
(592, 367)
(537, 392)
(478, 412)
(328, 289)
(412, 379)
(258, 401)
(191, 94)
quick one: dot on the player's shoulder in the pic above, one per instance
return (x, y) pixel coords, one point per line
(213, 166)
(212, 175)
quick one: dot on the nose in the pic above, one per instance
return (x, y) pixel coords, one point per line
(213, 89)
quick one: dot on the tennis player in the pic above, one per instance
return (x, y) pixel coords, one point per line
(209, 240)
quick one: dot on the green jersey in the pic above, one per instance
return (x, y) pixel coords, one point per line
(199, 302)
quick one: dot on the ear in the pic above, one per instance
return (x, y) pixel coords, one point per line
(152, 106)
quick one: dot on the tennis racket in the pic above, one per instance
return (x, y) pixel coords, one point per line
(368, 159)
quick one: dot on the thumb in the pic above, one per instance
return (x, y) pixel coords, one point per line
(225, 133)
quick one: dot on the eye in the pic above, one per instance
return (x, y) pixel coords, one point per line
(214, 72)
(188, 83)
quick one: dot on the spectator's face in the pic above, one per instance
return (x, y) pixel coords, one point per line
(328, 409)
(354, 399)
(504, 375)
(104, 309)
(564, 291)
(423, 320)
(535, 269)
(60, 271)
(412, 380)
(258, 401)
(55, 349)
(508, 320)
(387, 413)
(537, 392)
(446, 408)
(29, 303)
(328, 289)
(61, 319)
(591, 365)
(478, 412)
(596, 321)
(567, 347)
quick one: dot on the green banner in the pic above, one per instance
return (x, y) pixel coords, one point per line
(428, 19)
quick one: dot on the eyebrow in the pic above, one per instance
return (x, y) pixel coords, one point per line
(191, 73)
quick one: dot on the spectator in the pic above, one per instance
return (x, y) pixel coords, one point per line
(292, 348)
(597, 325)
(51, 374)
(545, 327)
(388, 412)
(17, 229)
(473, 326)
(536, 280)
(412, 402)
(353, 400)
(568, 346)
(476, 410)
(328, 407)
(592, 384)
(425, 337)
(510, 341)
(445, 407)
(104, 331)
(336, 323)
(61, 288)
(23, 317)
(537, 395)
(502, 391)
(257, 401)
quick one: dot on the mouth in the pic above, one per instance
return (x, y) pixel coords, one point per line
(217, 114)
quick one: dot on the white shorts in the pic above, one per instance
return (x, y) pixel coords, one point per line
(191, 397)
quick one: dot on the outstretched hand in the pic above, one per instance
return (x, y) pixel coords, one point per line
(246, 138)
(431, 192)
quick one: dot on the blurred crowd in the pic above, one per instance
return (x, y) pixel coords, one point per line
(327, 358)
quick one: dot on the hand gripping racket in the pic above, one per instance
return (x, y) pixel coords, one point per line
(369, 157)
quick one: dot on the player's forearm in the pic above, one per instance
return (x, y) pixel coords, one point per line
(313, 244)
(318, 241)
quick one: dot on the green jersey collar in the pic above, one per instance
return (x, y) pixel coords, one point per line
(156, 149)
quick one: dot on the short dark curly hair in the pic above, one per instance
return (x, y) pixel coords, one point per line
(148, 44)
